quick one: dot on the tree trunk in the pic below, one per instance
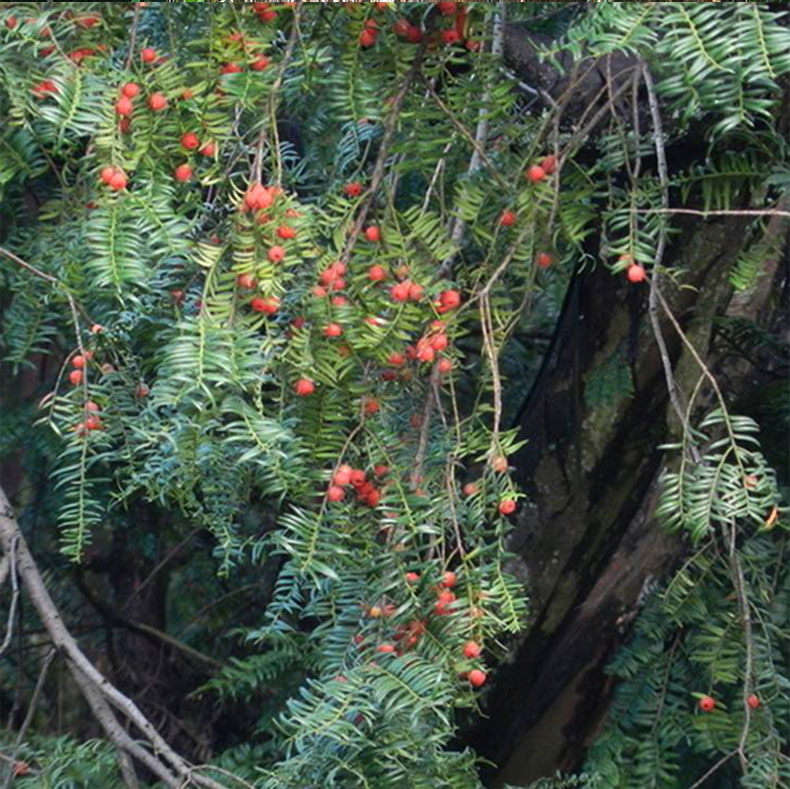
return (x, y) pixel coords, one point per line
(587, 546)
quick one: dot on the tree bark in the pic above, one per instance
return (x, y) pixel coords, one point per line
(587, 546)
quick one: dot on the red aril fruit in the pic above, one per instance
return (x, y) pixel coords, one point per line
(636, 273)
(246, 281)
(396, 359)
(124, 106)
(148, 55)
(376, 274)
(412, 578)
(342, 475)
(354, 189)
(190, 141)
(507, 507)
(285, 232)
(476, 677)
(304, 387)
(333, 330)
(754, 701)
(707, 704)
(415, 291)
(544, 260)
(444, 365)
(536, 173)
(549, 164)
(231, 68)
(447, 8)
(507, 219)
(78, 361)
(209, 149)
(472, 649)
(276, 254)
(335, 493)
(183, 172)
(118, 181)
(93, 423)
(400, 292)
(449, 579)
(157, 102)
(106, 174)
(75, 377)
(373, 233)
(471, 489)
(130, 90)
(367, 38)
(451, 36)
(385, 648)
(260, 64)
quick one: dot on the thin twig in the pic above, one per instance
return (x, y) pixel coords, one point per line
(713, 769)
(133, 37)
(14, 597)
(386, 140)
(663, 175)
(739, 212)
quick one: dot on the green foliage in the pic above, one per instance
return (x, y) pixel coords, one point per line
(195, 335)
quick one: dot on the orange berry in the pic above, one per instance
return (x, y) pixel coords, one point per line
(304, 387)
(472, 649)
(75, 377)
(636, 273)
(335, 493)
(507, 507)
(707, 703)
(536, 173)
(148, 55)
(476, 677)
(183, 172)
(157, 101)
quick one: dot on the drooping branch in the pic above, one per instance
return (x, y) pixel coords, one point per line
(99, 692)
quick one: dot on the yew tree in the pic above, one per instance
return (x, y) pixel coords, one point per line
(394, 394)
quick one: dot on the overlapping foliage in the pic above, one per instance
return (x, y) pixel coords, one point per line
(154, 285)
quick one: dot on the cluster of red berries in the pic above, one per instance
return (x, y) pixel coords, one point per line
(264, 12)
(448, 300)
(331, 278)
(708, 703)
(268, 305)
(366, 491)
(258, 197)
(406, 290)
(407, 31)
(538, 172)
(433, 341)
(114, 177)
(367, 38)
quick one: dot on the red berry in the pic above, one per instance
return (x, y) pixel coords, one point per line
(118, 181)
(258, 197)
(276, 254)
(396, 359)
(544, 260)
(286, 232)
(412, 578)
(333, 330)
(92, 407)
(472, 44)
(373, 498)
(507, 218)
(267, 306)
(447, 8)
(11, 22)
(707, 704)
(148, 55)
(549, 164)
(343, 475)
(376, 273)
(415, 291)
(636, 273)
(157, 102)
(209, 149)
(449, 580)
(106, 174)
(246, 281)
(449, 300)
(124, 106)
(471, 489)
(507, 507)
(78, 361)
(386, 648)
(451, 36)
(304, 387)
(260, 64)
(472, 649)
(536, 173)
(444, 365)
(753, 701)
(190, 141)
(373, 233)
(353, 189)
(476, 677)
(75, 376)
(335, 493)
(231, 68)
(367, 38)
(183, 172)
(400, 292)
(130, 90)
(93, 423)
